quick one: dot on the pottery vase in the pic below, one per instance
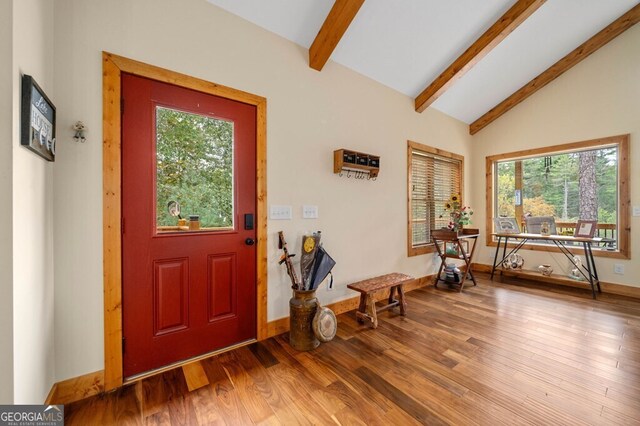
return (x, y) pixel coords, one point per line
(545, 269)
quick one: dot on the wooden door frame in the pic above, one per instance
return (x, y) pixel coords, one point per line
(113, 66)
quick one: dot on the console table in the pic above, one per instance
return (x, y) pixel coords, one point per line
(560, 241)
(444, 237)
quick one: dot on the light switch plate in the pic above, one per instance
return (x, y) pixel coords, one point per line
(636, 210)
(309, 212)
(277, 212)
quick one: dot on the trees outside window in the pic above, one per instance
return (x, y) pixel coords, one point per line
(194, 167)
(571, 182)
(568, 186)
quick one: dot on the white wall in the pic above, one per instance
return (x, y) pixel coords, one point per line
(309, 115)
(597, 98)
(33, 330)
(6, 212)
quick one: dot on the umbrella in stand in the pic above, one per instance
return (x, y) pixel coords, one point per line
(309, 246)
(322, 266)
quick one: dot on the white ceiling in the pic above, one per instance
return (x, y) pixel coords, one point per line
(406, 44)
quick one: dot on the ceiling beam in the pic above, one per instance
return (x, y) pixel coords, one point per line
(333, 28)
(614, 29)
(508, 22)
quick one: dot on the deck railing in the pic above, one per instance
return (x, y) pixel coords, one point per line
(608, 231)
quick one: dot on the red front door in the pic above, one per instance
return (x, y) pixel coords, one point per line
(186, 291)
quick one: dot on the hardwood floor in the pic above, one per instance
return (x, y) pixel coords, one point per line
(494, 354)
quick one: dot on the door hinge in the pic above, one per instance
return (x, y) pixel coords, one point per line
(121, 105)
(122, 225)
(124, 340)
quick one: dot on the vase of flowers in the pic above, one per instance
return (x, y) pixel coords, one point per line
(459, 214)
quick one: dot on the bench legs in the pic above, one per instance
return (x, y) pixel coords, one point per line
(403, 303)
(367, 308)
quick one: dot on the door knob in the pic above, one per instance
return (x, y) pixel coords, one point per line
(249, 241)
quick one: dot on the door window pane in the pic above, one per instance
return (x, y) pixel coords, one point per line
(194, 167)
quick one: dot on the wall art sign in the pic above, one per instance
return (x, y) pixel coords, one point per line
(37, 120)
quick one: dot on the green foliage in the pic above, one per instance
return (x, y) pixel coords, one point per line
(194, 167)
(553, 189)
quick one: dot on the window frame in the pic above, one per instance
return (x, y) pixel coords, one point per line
(411, 146)
(624, 200)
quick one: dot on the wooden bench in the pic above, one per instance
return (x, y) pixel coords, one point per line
(367, 309)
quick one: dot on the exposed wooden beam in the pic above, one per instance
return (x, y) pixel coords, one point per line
(614, 29)
(508, 22)
(333, 28)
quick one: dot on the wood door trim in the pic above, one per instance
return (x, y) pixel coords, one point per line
(113, 66)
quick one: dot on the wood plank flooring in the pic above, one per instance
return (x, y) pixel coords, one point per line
(495, 354)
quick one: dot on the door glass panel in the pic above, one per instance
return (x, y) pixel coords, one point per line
(194, 167)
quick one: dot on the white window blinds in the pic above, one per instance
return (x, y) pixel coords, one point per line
(433, 180)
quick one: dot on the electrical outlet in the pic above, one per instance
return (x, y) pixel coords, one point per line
(280, 212)
(636, 210)
(309, 212)
(618, 268)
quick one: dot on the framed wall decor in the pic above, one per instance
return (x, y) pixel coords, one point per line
(37, 120)
(506, 225)
(585, 228)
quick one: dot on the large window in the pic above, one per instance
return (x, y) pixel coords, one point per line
(433, 176)
(579, 181)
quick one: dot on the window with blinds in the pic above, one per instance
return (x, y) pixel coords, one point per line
(434, 177)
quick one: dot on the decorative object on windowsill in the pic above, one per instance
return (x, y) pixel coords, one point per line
(173, 207)
(80, 130)
(545, 269)
(585, 228)
(506, 225)
(194, 222)
(37, 120)
(514, 262)
(575, 272)
(534, 224)
(356, 164)
(545, 229)
(459, 215)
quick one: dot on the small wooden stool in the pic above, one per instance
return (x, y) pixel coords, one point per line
(367, 309)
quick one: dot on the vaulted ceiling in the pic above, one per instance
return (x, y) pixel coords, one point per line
(408, 44)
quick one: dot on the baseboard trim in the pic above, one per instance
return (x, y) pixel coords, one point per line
(76, 388)
(281, 325)
(610, 288)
